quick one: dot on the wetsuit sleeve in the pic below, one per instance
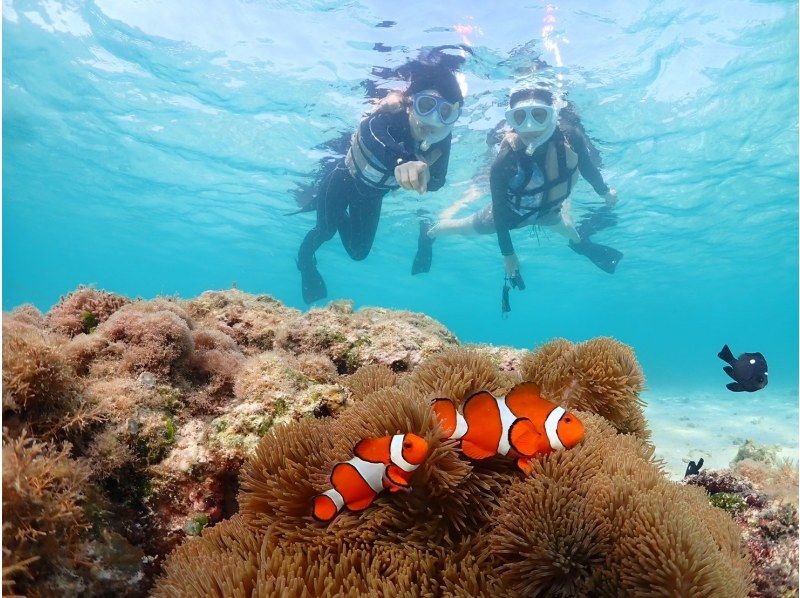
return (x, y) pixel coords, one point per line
(438, 170)
(585, 165)
(377, 128)
(503, 169)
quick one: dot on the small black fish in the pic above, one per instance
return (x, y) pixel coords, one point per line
(749, 370)
(693, 468)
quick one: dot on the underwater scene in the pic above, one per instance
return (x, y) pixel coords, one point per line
(372, 298)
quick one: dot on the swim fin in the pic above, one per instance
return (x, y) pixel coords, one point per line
(422, 261)
(313, 284)
(595, 221)
(604, 257)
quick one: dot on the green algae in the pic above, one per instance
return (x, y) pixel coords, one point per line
(279, 407)
(89, 321)
(195, 525)
(728, 501)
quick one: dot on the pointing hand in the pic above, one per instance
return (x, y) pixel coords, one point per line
(413, 176)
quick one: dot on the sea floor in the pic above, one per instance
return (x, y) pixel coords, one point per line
(713, 425)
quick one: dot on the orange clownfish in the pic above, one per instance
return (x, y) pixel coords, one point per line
(381, 463)
(520, 425)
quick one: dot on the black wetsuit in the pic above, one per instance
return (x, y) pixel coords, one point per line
(349, 199)
(513, 205)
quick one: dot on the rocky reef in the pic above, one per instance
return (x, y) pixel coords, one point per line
(759, 491)
(200, 428)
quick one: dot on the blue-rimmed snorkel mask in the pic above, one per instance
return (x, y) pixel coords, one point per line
(432, 109)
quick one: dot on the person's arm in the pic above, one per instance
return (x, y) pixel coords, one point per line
(585, 165)
(438, 170)
(503, 169)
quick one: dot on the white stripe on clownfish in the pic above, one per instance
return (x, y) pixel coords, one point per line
(551, 428)
(506, 419)
(461, 427)
(372, 473)
(396, 453)
(336, 497)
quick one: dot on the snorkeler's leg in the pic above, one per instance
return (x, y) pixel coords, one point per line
(358, 226)
(604, 257)
(331, 205)
(424, 256)
(479, 223)
(564, 225)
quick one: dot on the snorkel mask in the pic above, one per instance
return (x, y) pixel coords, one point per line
(533, 116)
(434, 112)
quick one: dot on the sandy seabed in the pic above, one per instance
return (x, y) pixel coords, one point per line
(714, 425)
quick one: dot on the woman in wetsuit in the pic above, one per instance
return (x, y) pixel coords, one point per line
(408, 148)
(531, 180)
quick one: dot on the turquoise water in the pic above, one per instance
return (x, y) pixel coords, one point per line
(150, 147)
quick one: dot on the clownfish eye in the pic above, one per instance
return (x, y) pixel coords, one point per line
(568, 419)
(407, 445)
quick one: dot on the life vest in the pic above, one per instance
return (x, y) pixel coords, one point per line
(532, 193)
(365, 167)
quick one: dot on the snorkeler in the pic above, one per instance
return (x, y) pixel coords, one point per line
(408, 148)
(531, 180)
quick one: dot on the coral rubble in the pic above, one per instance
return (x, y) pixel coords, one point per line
(201, 429)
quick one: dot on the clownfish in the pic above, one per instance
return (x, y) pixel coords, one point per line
(520, 425)
(381, 463)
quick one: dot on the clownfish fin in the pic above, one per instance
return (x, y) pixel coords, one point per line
(396, 476)
(355, 490)
(484, 426)
(360, 505)
(524, 463)
(475, 451)
(523, 437)
(446, 414)
(323, 508)
(374, 450)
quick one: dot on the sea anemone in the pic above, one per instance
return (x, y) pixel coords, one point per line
(369, 379)
(588, 520)
(600, 375)
(602, 519)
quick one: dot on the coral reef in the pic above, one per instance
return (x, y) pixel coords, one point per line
(593, 519)
(82, 310)
(760, 492)
(164, 400)
(40, 390)
(207, 424)
(55, 539)
(396, 339)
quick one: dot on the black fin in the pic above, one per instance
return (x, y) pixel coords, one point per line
(604, 257)
(424, 257)
(313, 284)
(726, 355)
(735, 387)
(595, 221)
(729, 370)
